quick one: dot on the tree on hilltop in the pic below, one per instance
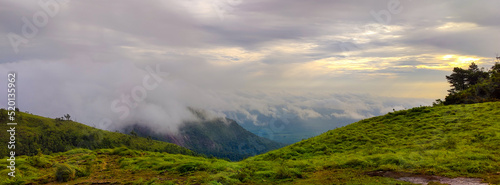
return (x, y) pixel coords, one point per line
(457, 80)
(461, 79)
(473, 85)
(67, 116)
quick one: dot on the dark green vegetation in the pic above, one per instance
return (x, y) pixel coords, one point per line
(222, 138)
(225, 140)
(473, 85)
(57, 135)
(452, 140)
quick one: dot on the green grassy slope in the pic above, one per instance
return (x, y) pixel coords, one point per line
(455, 140)
(50, 135)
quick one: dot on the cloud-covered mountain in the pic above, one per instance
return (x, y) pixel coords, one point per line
(218, 137)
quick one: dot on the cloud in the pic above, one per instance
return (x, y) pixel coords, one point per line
(87, 93)
(352, 115)
(257, 58)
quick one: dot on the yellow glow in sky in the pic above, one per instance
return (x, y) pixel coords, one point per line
(460, 61)
(457, 26)
(448, 57)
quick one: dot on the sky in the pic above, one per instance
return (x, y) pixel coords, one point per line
(110, 63)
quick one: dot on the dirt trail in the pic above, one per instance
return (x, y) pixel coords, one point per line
(425, 179)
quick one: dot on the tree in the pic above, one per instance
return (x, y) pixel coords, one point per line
(474, 85)
(475, 75)
(67, 116)
(3, 115)
(495, 69)
(461, 79)
(133, 133)
(457, 80)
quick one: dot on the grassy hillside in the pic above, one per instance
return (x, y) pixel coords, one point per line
(456, 140)
(51, 135)
(451, 141)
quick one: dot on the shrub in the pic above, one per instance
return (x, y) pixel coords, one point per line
(300, 150)
(78, 151)
(191, 166)
(243, 174)
(387, 167)
(214, 183)
(168, 183)
(398, 161)
(64, 173)
(123, 151)
(265, 174)
(285, 173)
(83, 171)
(223, 180)
(39, 162)
(164, 166)
(353, 163)
(450, 143)
(13, 181)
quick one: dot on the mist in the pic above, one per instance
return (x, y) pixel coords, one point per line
(110, 66)
(114, 95)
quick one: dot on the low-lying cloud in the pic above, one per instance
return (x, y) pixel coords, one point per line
(252, 61)
(113, 95)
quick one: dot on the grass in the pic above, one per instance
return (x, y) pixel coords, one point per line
(51, 136)
(451, 141)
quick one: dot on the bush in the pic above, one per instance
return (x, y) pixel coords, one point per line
(13, 181)
(285, 173)
(223, 180)
(265, 174)
(387, 167)
(353, 163)
(64, 173)
(191, 166)
(450, 143)
(83, 171)
(243, 174)
(123, 151)
(214, 183)
(164, 166)
(78, 151)
(39, 162)
(398, 161)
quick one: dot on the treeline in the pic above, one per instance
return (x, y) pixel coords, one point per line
(473, 85)
(51, 136)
